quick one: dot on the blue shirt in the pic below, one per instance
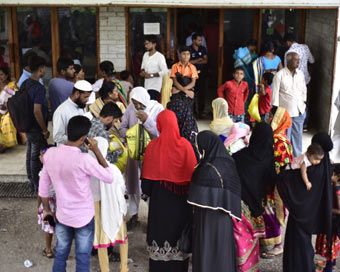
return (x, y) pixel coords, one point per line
(59, 90)
(37, 95)
(25, 75)
(271, 64)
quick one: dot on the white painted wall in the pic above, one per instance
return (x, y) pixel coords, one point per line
(178, 3)
(112, 36)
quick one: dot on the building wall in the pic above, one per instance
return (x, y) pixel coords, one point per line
(178, 3)
(112, 36)
(320, 30)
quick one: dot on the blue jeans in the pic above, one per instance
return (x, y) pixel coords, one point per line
(237, 118)
(84, 242)
(294, 133)
(35, 142)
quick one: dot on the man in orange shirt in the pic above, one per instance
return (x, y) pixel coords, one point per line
(184, 76)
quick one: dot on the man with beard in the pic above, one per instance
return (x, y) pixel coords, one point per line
(109, 115)
(74, 105)
(60, 88)
(153, 67)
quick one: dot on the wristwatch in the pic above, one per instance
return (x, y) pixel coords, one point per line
(151, 75)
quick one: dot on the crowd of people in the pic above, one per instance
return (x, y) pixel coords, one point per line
(220, 195)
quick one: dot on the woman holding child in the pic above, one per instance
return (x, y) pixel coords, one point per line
(313, 215)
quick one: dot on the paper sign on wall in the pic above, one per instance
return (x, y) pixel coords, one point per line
(151, 28)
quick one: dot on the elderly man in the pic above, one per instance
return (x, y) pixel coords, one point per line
(290, 92)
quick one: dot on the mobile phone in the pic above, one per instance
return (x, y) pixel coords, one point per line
(87, 142)
(50, 219)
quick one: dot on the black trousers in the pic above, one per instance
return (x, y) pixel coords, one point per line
(200, 89)
(154, 95)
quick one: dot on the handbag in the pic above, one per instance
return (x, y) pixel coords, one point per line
(137, 140)
(122, 159)
(253, 108)
(185, 241)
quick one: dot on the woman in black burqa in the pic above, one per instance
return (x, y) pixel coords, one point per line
(215, 193)
(310, 212)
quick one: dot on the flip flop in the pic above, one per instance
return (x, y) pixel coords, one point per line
(47, 254)
(267, 255)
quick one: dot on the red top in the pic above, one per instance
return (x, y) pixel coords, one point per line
(265, 100)
(235, 96)
(169, 157)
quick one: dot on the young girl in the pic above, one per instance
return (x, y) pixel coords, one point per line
(313, 156)
(321, 245)
(49, 230)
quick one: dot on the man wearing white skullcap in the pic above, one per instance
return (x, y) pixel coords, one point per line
(74, 105)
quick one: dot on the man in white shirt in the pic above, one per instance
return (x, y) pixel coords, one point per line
(153, 68)
(74, 105)
(290, 92)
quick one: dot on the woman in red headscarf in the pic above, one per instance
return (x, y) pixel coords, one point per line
(168, 165)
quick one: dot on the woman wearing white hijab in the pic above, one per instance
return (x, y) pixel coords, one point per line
(221, 123)
(140, 110)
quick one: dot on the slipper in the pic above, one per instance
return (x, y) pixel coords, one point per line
(268, 255)
(48, 254)
(265, 255)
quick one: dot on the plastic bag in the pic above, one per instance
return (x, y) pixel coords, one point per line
(253, 108)
(137, 139)
(115, 143)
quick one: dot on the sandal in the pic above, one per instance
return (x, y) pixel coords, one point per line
(48, 254)
(272, 253)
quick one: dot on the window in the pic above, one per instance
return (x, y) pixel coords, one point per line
(34, 33)
(78, 38)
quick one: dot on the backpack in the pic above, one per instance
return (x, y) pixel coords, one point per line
(20, 109)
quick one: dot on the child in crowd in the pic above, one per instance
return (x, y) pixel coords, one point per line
(322, 247)
(235, 91)
(127, 82)
(46, 227)
(313, 156)
(265, 95)
(184, 76)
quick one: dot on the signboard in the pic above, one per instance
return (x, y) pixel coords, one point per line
(151, 28)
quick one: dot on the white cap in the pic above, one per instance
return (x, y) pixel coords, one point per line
(83, 85)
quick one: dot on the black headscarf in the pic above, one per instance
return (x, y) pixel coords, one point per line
(256, 167)
(206, 187)
(312, 210)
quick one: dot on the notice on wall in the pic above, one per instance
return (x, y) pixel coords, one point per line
(151, 28)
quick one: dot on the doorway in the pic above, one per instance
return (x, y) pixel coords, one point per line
(205, 22)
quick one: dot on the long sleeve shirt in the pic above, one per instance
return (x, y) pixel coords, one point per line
(152, 65)
(69, 171)
(61, 116)
(130, 119)
(289, 91)
(235, 95)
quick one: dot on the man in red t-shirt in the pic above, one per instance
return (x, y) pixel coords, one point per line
(236, 93)
(265, 95)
